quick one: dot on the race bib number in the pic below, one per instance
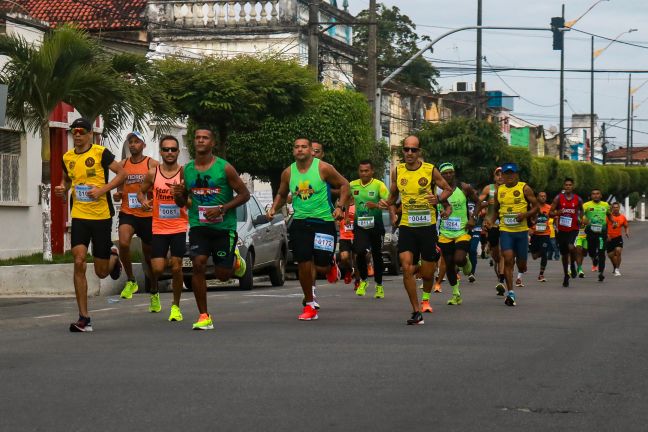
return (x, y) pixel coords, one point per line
(133, 202)
(81, 193)
(511, 220)
(541, 226)
(452, 224)
(477, 229)
(202, 218)
(419, 218)
(324, 242)
(565, 221)
(596, 228)
(169, 211)
(366, 222)
(348, 227)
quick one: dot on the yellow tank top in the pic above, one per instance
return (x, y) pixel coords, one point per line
(414, 186)
(511, 202)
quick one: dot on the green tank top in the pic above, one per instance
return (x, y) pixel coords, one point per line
(596, 214)
(311, 194)
(455, 225)
(373, 191)
(208, 189)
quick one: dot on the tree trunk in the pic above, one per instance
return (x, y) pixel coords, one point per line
(46, 192)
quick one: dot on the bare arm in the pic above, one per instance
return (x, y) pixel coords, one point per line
(445, 194)
(117, 195)
(282, 194)
(147, 183)
(118, 169)
(471, 194)
(236, 183)
(553, 212)
(66, 183)
(330, 175)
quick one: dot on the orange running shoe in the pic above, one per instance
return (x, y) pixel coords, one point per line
(437, 287)
(594, 268)
(309, 314)
(425, 306)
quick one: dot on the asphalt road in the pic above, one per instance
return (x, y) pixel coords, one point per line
(572, 359)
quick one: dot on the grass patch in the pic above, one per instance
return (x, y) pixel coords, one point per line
(66, 258)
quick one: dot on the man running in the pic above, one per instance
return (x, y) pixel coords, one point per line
(541, 233)
(133, 219)
(487, 199)
(475, 238)
(567, 210)
(347, 236)
(207, 189)
(367, 193)
(313, 227)
(169, 220)
(596, 216)
(85, 171)
(615, 239)
(415, 182)
(515, 202)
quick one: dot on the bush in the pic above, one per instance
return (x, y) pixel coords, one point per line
(540, 175)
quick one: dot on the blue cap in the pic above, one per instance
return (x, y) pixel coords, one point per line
(136, 134)
(510, 167)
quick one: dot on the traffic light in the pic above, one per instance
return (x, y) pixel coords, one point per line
(557, 23)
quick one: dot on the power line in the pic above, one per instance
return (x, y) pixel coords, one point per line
(610, 39)
(518, 94)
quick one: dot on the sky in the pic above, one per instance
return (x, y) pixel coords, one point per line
(540, 91)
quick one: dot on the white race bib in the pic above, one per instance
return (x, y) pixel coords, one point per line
(596, 228)
(541, 226)
(452, 224)
(419, 218)
(511, 220)
(366, 222)
(169, 211)
(81, 193)
(324, 242)
(133, 202)
(348, 227)
(203, 218)
(565, 221)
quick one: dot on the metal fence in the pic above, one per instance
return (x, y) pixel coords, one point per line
(9, 177)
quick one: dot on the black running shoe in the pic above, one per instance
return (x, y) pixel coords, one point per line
(116, 271)
(83, 325)
(601, 277)
(573, 271)
(417, 319)
(566, 281)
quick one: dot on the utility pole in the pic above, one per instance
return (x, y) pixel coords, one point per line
(628, 124)
(603, 142)
(561, 137)
(632, 130)
(313, 35)
(592, 104)
(372, 65)
(478, 90)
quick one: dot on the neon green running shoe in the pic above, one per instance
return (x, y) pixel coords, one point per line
(240, 271)
(380, 292)
(467, 269)
(362, 289)
(455, 300)
(204, 323)
(130, 288)
(155, 305)
(175, 314)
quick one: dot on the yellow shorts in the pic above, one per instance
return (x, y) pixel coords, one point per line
(461, 238)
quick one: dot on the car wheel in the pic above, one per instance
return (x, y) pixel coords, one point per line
(246, 282)
(278, 272)
(187, 283)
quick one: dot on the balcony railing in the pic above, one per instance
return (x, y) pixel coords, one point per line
(215, 13)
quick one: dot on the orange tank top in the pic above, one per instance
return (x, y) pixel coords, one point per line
(135, 173)
(346, 224)
(168, 218)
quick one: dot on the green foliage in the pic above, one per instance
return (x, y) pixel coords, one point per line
(634, 198)
(539, 175)
(587, 175)
(600, 180)
(522, 158)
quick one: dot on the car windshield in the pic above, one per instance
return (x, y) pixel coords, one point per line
(240, 213)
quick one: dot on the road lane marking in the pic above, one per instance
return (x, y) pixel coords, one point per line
(48, 316)
(104, 309)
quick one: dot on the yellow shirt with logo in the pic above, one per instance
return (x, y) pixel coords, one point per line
(86, 170)
(414, 186)
(511, 203)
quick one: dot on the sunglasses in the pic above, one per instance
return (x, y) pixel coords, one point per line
(168, 149)
(410, 150)
(79, 131)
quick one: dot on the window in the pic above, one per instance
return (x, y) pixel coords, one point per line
(9, 166)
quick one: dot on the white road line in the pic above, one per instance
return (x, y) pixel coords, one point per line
(273, 295)
(104, 309)
(48, 316)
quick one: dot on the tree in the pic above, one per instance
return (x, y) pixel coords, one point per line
(397, 42)
(339, 119)
(236, 94)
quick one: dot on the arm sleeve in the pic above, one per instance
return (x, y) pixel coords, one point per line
(107, 158)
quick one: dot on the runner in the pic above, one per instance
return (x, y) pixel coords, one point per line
(475, 239)
(567, 210)
(581, 250)
(487, 200)
(415, 182)
(133, 219)
(368, 192)
(169, 220)
(454, 238)
(313, 227)
(615, 239)
(207, 189)
(512, 204)
(347, 236)
(540, 234)
(85, 171)
(596, 216)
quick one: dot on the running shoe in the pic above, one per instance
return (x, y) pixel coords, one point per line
(500, 289)
(155, 305)
(455, 300)
(467, 269)
(333, 274)
(240, 267)
(416, 319)
(130, 288)
(518, 282)
(82, 325)
(566, 281)
(309, 314)
(617, 272)
(116, 271)
(176, 314)
(510, 299)
(355, 285)
(541, 278)
(594, 268)
(348, 276)
(471, 278)
(437, 287)
(362, 289)
(573, 271)
(491, 263)
(380, 292)
(204, 323)
(425, 306)
(581, 273)
(601, 277)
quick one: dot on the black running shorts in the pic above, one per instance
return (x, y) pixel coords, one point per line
(161, 244)
(220, 244)
(98, 231)
(143, 226)
(313, 239)
(420, 241)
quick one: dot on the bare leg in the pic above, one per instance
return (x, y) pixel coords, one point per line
(199, 284)
(126, 233)
(80, 282)
(146, 251)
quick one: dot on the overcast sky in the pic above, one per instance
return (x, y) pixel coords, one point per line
(534, 49)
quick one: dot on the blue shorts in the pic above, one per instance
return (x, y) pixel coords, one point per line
(518, 242)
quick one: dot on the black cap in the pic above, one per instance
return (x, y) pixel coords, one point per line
(81, 123)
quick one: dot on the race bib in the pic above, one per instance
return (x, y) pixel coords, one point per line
(541, 226)
(133, 202)
(169, 211)
(565, 221)
(203, 218)
(596, 228)
(419, 218)
(477, 229)
(81, 193)
(511, 220)
(348, 227)
(452, 224)
(324, 242)
(366, 222)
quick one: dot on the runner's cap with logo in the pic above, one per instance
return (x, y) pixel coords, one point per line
(136, 134)
(81, 123)
(510, 167)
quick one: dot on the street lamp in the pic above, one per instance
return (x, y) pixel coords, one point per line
(596, 53)
(571, 23)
